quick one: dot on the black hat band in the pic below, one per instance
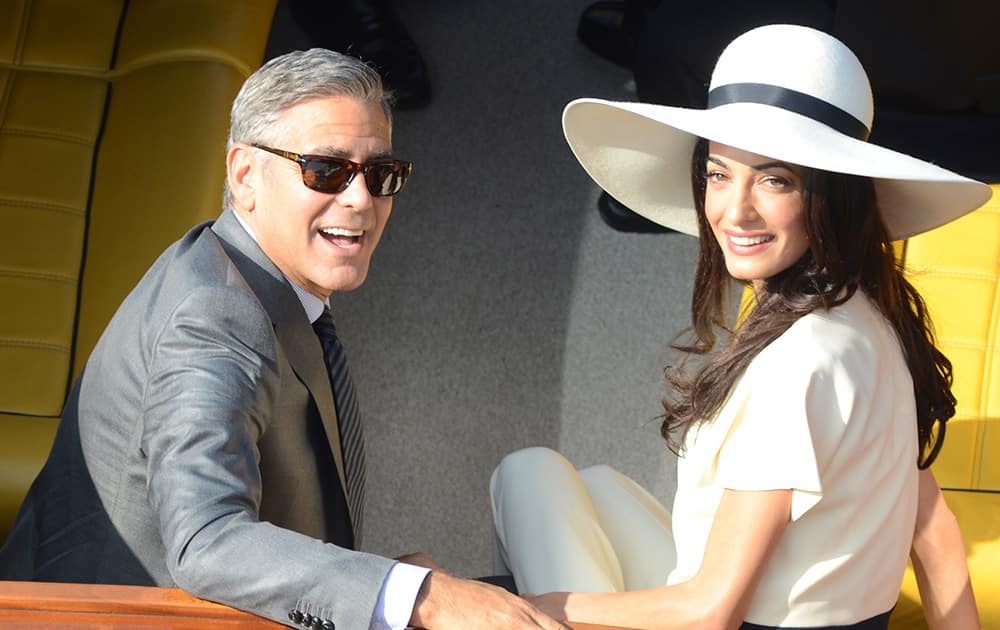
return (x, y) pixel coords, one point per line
(790, 100)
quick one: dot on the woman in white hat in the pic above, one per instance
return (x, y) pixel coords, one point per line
(805, 435)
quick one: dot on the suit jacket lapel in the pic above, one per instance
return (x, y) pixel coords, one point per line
(291, 326)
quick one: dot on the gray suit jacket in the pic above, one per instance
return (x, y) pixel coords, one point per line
(199, 448)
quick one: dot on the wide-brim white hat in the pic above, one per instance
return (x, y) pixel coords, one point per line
(790, 93)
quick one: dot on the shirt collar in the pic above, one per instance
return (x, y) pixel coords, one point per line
(313, 305)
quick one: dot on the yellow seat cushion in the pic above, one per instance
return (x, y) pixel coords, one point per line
(112, 144)
(52, 95)
(109, 150)
(152, 183)
(956, 268)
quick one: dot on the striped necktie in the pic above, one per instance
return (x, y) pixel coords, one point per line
(352, 438)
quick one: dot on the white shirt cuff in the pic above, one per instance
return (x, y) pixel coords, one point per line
(399, 594)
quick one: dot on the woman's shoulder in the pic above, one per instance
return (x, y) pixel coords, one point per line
(851, 332)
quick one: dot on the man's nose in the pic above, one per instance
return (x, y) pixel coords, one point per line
(356, 195)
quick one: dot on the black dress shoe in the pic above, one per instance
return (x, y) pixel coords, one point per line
(603, 30)
(372, 31)
(620, 218)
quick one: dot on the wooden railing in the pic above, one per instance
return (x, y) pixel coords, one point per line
(48, 606)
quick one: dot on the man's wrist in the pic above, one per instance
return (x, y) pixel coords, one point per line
(399, 595)
(426, 603)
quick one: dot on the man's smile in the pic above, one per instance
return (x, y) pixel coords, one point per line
(342, 237)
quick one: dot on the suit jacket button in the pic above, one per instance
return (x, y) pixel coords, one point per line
(329, 625)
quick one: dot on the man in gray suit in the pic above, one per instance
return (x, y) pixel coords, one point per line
(202, 444)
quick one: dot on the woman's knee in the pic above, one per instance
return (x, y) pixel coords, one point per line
(534, 460)
(534, 477)
(600, 471)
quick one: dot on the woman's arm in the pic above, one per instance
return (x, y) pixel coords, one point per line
(938, 556)
(745, 532)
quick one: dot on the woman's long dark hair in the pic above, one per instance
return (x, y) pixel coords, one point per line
(849, 249)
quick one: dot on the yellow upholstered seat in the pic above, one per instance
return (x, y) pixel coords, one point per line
(956, 268)
(113, 120)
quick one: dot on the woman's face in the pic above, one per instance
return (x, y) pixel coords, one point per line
(756, 209)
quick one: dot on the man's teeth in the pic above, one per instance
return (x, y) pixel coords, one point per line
(341, 232)
(747, 241)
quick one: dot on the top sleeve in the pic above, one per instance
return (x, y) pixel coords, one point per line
(784, 415)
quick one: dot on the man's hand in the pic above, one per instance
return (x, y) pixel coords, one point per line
(450, 603)
(421, 559)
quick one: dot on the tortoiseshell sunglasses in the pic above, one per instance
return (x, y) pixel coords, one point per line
(328, 174)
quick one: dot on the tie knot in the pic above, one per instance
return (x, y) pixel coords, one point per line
(324, 326)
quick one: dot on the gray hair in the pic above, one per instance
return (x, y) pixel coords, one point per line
(293, 78)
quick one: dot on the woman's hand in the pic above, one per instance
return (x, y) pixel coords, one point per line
(552, 604)
(745, 532)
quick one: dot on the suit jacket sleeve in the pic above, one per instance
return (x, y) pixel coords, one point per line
(212, 388)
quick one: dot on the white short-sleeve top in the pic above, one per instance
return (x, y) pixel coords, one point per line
(827, 410)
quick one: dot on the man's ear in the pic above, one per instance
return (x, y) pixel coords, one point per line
(242, 172)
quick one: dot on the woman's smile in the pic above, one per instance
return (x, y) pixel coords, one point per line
(756, 208)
